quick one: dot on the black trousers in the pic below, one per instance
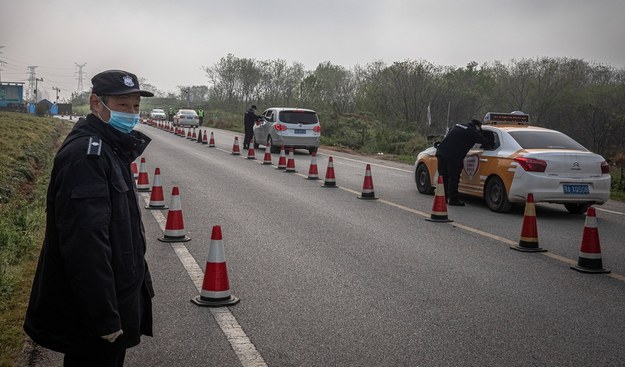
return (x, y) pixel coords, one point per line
(249, 134)
(450, 169)
(113, 358)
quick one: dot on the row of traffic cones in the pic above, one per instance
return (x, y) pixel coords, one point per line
(215, 291)
(589, 259)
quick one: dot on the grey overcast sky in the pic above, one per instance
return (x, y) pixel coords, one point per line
(168, 41)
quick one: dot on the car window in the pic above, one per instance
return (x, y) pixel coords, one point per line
(532, 139)
(299, 117)
(493, 136)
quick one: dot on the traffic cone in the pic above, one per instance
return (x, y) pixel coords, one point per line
(313, 174)
(157, 199)
(205, 138)
(199, 136)
(174, 228)
(235, 147)
(439, 208)
(250, 150)
(135, 171)
(211, 142)
(143, 183)
(189, 134)
(290, 165)
(282, 159)
(367, 186)
(215, 286)
(529, 231)
(267, 157)
(589, 260)
(330, 180)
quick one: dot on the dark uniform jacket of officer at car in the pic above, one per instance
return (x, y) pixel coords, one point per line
(249, 119)
(92, 278)
(452, 150)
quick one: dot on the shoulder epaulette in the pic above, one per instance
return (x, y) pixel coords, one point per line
(95, 147)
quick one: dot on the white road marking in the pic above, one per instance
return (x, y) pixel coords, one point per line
(609, 211)
(244, 349)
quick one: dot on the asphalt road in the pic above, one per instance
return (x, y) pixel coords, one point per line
(326, 279)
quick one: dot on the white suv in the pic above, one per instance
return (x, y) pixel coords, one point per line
(288, 127)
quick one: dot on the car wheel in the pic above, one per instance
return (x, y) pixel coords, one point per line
(496, 196)
(423, 180)
(577, 208)
(312, 150)
(273, 148)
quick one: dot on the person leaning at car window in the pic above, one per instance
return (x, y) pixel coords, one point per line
(91, 294)
(451, 151)
(249, 119)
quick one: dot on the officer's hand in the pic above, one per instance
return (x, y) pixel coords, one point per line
(111, 337)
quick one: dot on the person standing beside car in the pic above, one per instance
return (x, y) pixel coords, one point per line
(200, 114)
(92, 291)
(248, 122)
(451, 151)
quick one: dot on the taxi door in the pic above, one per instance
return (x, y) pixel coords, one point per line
(478, 164)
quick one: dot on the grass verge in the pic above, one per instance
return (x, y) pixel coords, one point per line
(28, 147)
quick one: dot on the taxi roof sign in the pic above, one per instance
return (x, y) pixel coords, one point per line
(513, 118)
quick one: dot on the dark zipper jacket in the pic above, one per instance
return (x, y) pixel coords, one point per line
(92, 278)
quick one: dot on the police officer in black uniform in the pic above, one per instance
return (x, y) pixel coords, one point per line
(249, 119)
(451, 152)
(91, 296)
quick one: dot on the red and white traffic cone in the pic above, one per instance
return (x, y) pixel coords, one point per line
(367, 186)
(439, 208)
(211, 142)
(267, 157)
(174, 228)
(199, 136)
(290, 164)
(189, 136)
(330, 180)
(143, 183)
(135, 171)
(250, 150)
(282, 159)
(589, 260)
(157, 199)
(235, 147)
(529, 232)
(215, 286)
(205, 138)
(313, 174)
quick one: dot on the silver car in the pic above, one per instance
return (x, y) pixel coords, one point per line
(298, 128)
(186, 118)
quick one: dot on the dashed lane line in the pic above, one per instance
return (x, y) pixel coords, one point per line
(244, 349)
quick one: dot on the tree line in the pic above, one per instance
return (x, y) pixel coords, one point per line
(583, 99)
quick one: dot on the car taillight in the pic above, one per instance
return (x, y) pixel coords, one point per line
(605, 168)
(531, 164)
(317, 129)
(280, 127)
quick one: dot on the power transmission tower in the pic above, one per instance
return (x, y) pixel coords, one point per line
(80, 77)
(2, 63)
(31, 81)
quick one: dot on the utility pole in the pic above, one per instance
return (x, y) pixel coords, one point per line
(57, 93)
(80, 76)
(37, 80)
(31, 81)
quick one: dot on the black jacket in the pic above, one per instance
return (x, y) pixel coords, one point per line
(459, 140)
(249, 119)
(92, 278)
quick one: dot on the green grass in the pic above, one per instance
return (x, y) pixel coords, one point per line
(28, 146)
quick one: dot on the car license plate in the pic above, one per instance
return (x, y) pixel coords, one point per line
(300, 131)
(576, 189)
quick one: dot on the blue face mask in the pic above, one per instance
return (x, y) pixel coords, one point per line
(122, 121)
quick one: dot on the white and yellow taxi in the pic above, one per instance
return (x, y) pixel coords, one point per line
(525, 159)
